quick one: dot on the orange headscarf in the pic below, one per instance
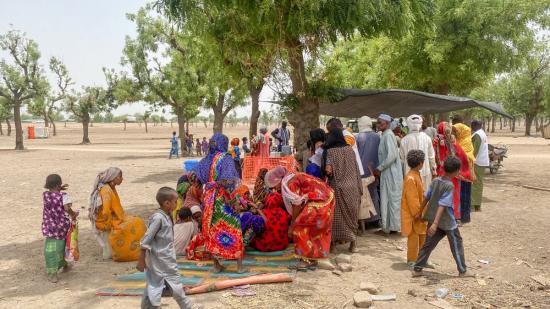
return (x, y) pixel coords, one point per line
(241, 190)
(464, 139)
(235, 142)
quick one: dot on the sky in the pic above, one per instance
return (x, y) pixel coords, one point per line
(85, 35)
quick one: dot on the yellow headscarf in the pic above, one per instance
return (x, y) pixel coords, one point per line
(464, 139)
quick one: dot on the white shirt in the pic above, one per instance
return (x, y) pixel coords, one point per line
(482, 158)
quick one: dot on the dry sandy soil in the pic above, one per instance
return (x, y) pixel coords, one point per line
(511, 232)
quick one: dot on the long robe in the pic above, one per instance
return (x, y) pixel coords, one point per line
(367, 145)
(391, 182)
(419, 141)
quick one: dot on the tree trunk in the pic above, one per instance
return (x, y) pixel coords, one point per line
(305, 116)
(218, 114)
(46, 121)
(18, 127)
(187, 127)
(124, 125)
(52, 122)
(9, 126)
(171, 125)
(493, 120)
(145, 123)
(500, 119)
(255, 115)
(85, 126)
(180, 114)
(536, 124)
(65, 123)
(528, 123)
(513, 125)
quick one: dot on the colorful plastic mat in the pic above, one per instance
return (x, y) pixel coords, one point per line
(195, 273)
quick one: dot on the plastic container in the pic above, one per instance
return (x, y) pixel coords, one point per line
(30, 130)
(189, 165)
(441, 292)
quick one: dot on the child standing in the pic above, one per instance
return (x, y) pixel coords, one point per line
(204, 146)
(412, 203)
(189, 144)
(235, 152)
(184, 230)
(158, 257)
(55, 224)
(174, 151)
(441, 219)
(198, 147)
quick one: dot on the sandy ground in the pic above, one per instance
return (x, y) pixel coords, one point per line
(511, 232)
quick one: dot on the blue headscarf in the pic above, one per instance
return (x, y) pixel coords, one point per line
(226, 170)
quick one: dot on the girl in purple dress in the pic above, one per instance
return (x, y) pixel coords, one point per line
(55, 224)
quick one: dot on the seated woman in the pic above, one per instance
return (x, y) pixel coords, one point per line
(252, 218)
(260, 190)
(221, 225)
(275, 234)
(311, 204)
(118, 234)
(189, 193)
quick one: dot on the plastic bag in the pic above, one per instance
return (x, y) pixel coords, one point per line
(72, 254)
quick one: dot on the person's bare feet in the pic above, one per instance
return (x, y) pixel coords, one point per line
(466, 274)
(417, 273)
(218, 267)
(242, 270)
(353, 247)
(68, 267)
(53, 278)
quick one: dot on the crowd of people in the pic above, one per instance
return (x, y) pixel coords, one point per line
(407, 178)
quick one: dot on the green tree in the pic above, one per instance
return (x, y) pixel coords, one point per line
(158, 73)
(91, 100)
(295, 28)
(5, 115)
(22, 78)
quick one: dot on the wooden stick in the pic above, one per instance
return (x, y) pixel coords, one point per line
(224, 284)
(536, 188)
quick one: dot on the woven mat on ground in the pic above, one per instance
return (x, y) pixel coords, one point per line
(195, 273)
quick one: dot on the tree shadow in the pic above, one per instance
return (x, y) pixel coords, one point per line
(170, 176)
(135, 157)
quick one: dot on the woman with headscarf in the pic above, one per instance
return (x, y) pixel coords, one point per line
(117, 233)
(340, 166)
(275, 234)
(417, 140)
(464, 139)
(316, 140)
(252, 218)
(310, 202)
(221, 226)
(445, 147)
(260, 190)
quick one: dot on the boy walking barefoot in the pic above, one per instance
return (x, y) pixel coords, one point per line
(412, 206)
(441, 220)
(158, 256)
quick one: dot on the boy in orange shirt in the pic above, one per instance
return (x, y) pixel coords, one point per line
(412, 203)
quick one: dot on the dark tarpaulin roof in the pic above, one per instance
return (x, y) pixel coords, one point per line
(399, 103)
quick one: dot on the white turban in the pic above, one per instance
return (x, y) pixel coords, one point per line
(365, 124)
(195, 209)
(414, 122)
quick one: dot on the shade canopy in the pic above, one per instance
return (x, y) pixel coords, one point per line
(355, 103)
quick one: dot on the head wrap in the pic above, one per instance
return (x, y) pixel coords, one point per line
(317, 135)
(274, 176)
(335, 139)
(195, 209)
(365, 124)
(101, 179)
(394, 124)
(385, 117)
(414, 122)
(290, 198)
(225, 168)
(241, 191)
(235, 142)
(464, 139)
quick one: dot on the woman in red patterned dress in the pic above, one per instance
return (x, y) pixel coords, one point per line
(310, 202)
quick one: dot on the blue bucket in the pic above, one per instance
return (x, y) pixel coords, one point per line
(189, 165)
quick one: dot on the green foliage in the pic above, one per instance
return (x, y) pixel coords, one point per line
(469, 42)
(90, 101)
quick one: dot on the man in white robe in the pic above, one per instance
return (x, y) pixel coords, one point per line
(418, 140)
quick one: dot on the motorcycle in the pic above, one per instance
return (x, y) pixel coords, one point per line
(497, 153)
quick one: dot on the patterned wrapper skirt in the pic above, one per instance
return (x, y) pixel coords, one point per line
(54, 253)
(313, 229)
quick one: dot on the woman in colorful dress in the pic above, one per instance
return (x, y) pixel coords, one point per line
(340, 166)
(463, 135)
(118, 234)
(221, 226)
(445, 146)
(310, 202)
(252, 218)
(275, 234)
